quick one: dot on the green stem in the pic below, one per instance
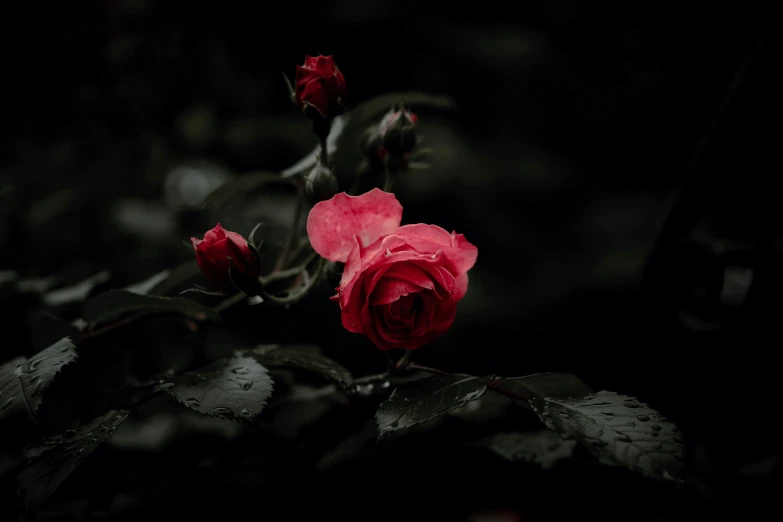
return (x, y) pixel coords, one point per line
(281, 261)
(282, 274)
(231, 301)
(300, 294)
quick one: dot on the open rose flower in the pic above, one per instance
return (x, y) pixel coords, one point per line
(319, 84)
(401, 284)
(220, 250)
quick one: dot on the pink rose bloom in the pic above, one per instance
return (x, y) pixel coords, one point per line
(401, 284)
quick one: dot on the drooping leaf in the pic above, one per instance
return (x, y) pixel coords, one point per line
(425, 399)
(540, 385)
(179, 278)
(60, 456)
(23, 382)
(144, 287)
(77, 292)
(545, 447)
(242, 186)
(306, 357)
(620, 431)
(116, 304)
(235, 388)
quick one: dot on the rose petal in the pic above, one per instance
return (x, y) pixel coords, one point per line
(338, 75)
(332, 224)
(460, 253)
(461, 287)
(411, 273)
(389, 290)
(324, 65)
(216, 234)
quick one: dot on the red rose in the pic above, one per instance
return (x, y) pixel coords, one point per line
(221, 250)
(401, 285)
(320, 85)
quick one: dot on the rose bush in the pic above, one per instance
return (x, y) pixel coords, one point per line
(401, 284)
(319, 84)
(221, 250)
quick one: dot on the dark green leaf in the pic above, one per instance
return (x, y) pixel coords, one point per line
(77, 292)
(23, 382)
(242, 186)
(545, 448)
(60, 456)
(620, 431)
(180, 278)
(491, 406)
(540, 385)
(235, 388)
(306, 357)
(116, 304)
(144, 287)
(425, 399)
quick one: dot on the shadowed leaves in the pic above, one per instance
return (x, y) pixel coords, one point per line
(24, 381)
(60, 456)
(243, 186)
(545, 448)
(117, 304)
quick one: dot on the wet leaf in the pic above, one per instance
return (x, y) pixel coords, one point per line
(540, 385)
(305, 357)
(425, 399)
(116, 304)
(235, 388)
(242, 186)
(619, 431)
(23, 382)
(61, 455)
(545, 448)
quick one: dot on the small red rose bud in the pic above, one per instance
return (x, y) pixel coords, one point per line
(221, 251)
(398, 132)
(319, 87)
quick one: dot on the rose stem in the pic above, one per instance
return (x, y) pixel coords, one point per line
(293, 230)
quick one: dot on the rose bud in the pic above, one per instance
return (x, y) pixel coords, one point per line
(221, 251)
(319, 87)
(401, 284)
(320, 183)
(398, 132)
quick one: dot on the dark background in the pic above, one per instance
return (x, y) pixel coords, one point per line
(575, 124)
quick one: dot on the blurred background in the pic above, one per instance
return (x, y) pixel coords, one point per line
(574, 124)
